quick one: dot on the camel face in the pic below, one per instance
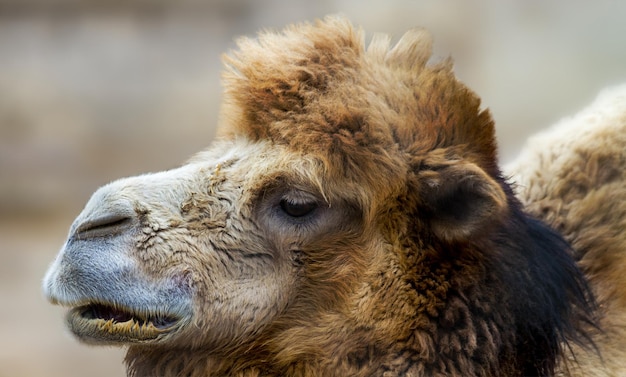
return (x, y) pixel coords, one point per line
(214, 245)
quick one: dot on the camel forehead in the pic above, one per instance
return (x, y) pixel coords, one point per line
(249, 158)
(317, 88)
(254, 165)
(315, 81)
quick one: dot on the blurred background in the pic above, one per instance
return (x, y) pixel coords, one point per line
(93, 90)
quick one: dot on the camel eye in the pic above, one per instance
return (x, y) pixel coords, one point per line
(297, 209)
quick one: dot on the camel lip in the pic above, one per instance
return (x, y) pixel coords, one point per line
(112, 324)
(119, 315)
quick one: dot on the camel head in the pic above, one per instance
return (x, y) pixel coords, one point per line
(351, 210)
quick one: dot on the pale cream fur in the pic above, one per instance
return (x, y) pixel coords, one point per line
(573, 176)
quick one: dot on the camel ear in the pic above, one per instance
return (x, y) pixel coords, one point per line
(461, 200)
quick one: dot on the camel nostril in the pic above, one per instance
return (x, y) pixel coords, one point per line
(105, 226)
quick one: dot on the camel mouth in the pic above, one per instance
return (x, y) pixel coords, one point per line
(104, 323)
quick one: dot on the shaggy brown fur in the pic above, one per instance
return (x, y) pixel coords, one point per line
(574, 177)
(351, 221)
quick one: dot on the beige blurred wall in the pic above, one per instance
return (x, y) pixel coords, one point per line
(92, 90)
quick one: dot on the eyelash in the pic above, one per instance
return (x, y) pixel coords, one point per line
(297, 209)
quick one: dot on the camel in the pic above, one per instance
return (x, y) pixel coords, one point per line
(350, 220)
